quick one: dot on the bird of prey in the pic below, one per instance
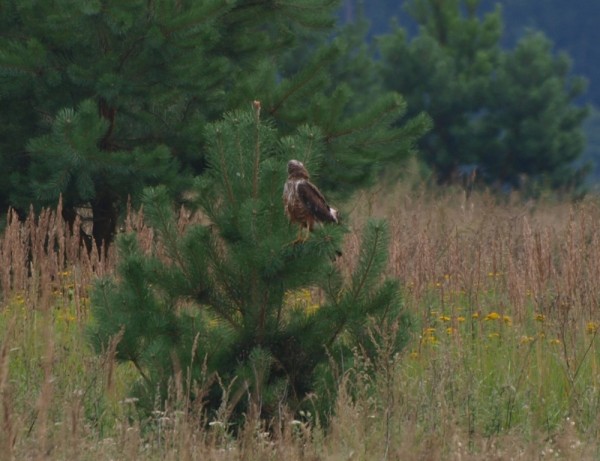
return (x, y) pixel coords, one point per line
(304, 204)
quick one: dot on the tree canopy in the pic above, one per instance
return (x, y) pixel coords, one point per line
(510, 113)
(100, 99)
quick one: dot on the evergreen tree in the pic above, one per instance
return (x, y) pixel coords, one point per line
(364, 127)
(532, 130)
(156, 73)
(216, 300)
(572, 29)
(511, 113)
(444, 71)
(591, 155)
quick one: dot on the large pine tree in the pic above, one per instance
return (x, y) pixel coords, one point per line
(99, 99)
(511, 113)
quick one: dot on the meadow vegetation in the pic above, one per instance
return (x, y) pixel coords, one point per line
(502, 363)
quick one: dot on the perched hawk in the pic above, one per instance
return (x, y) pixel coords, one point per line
(304, 204)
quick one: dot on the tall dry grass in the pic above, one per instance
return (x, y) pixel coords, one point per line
(34, 252)
(501, 364)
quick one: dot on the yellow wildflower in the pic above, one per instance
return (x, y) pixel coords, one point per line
(429, 336)
(591, 327)
(526, 339)
(20, 299)
(444, 318)
(555, 342)
(540, 317)
(494, 335)
(430, 339)
(66, 317)
(312, 308)
(507, 320)
(302, 299)
(461, 319)
(475, 316)
(492, 316)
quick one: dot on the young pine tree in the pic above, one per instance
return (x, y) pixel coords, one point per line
(218, 300)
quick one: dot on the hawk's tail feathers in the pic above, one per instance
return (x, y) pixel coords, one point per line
(335, 214)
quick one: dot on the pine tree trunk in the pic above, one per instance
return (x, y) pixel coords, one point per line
(105, 222)
(69, 215)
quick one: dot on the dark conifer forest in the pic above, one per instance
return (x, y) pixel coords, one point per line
(572, 30)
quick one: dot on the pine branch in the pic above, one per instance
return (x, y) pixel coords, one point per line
(304, 78)
(223, 165)
(375, 236)
(375, 118)
(256, 107)
(141, 372)
(161, 217)
(202, 14)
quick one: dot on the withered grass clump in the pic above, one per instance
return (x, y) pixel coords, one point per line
(37, 251)
(502, 363)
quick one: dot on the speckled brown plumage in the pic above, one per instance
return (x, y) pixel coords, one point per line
(303, 203)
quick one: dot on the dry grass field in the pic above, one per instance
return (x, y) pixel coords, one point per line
(503, 361)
